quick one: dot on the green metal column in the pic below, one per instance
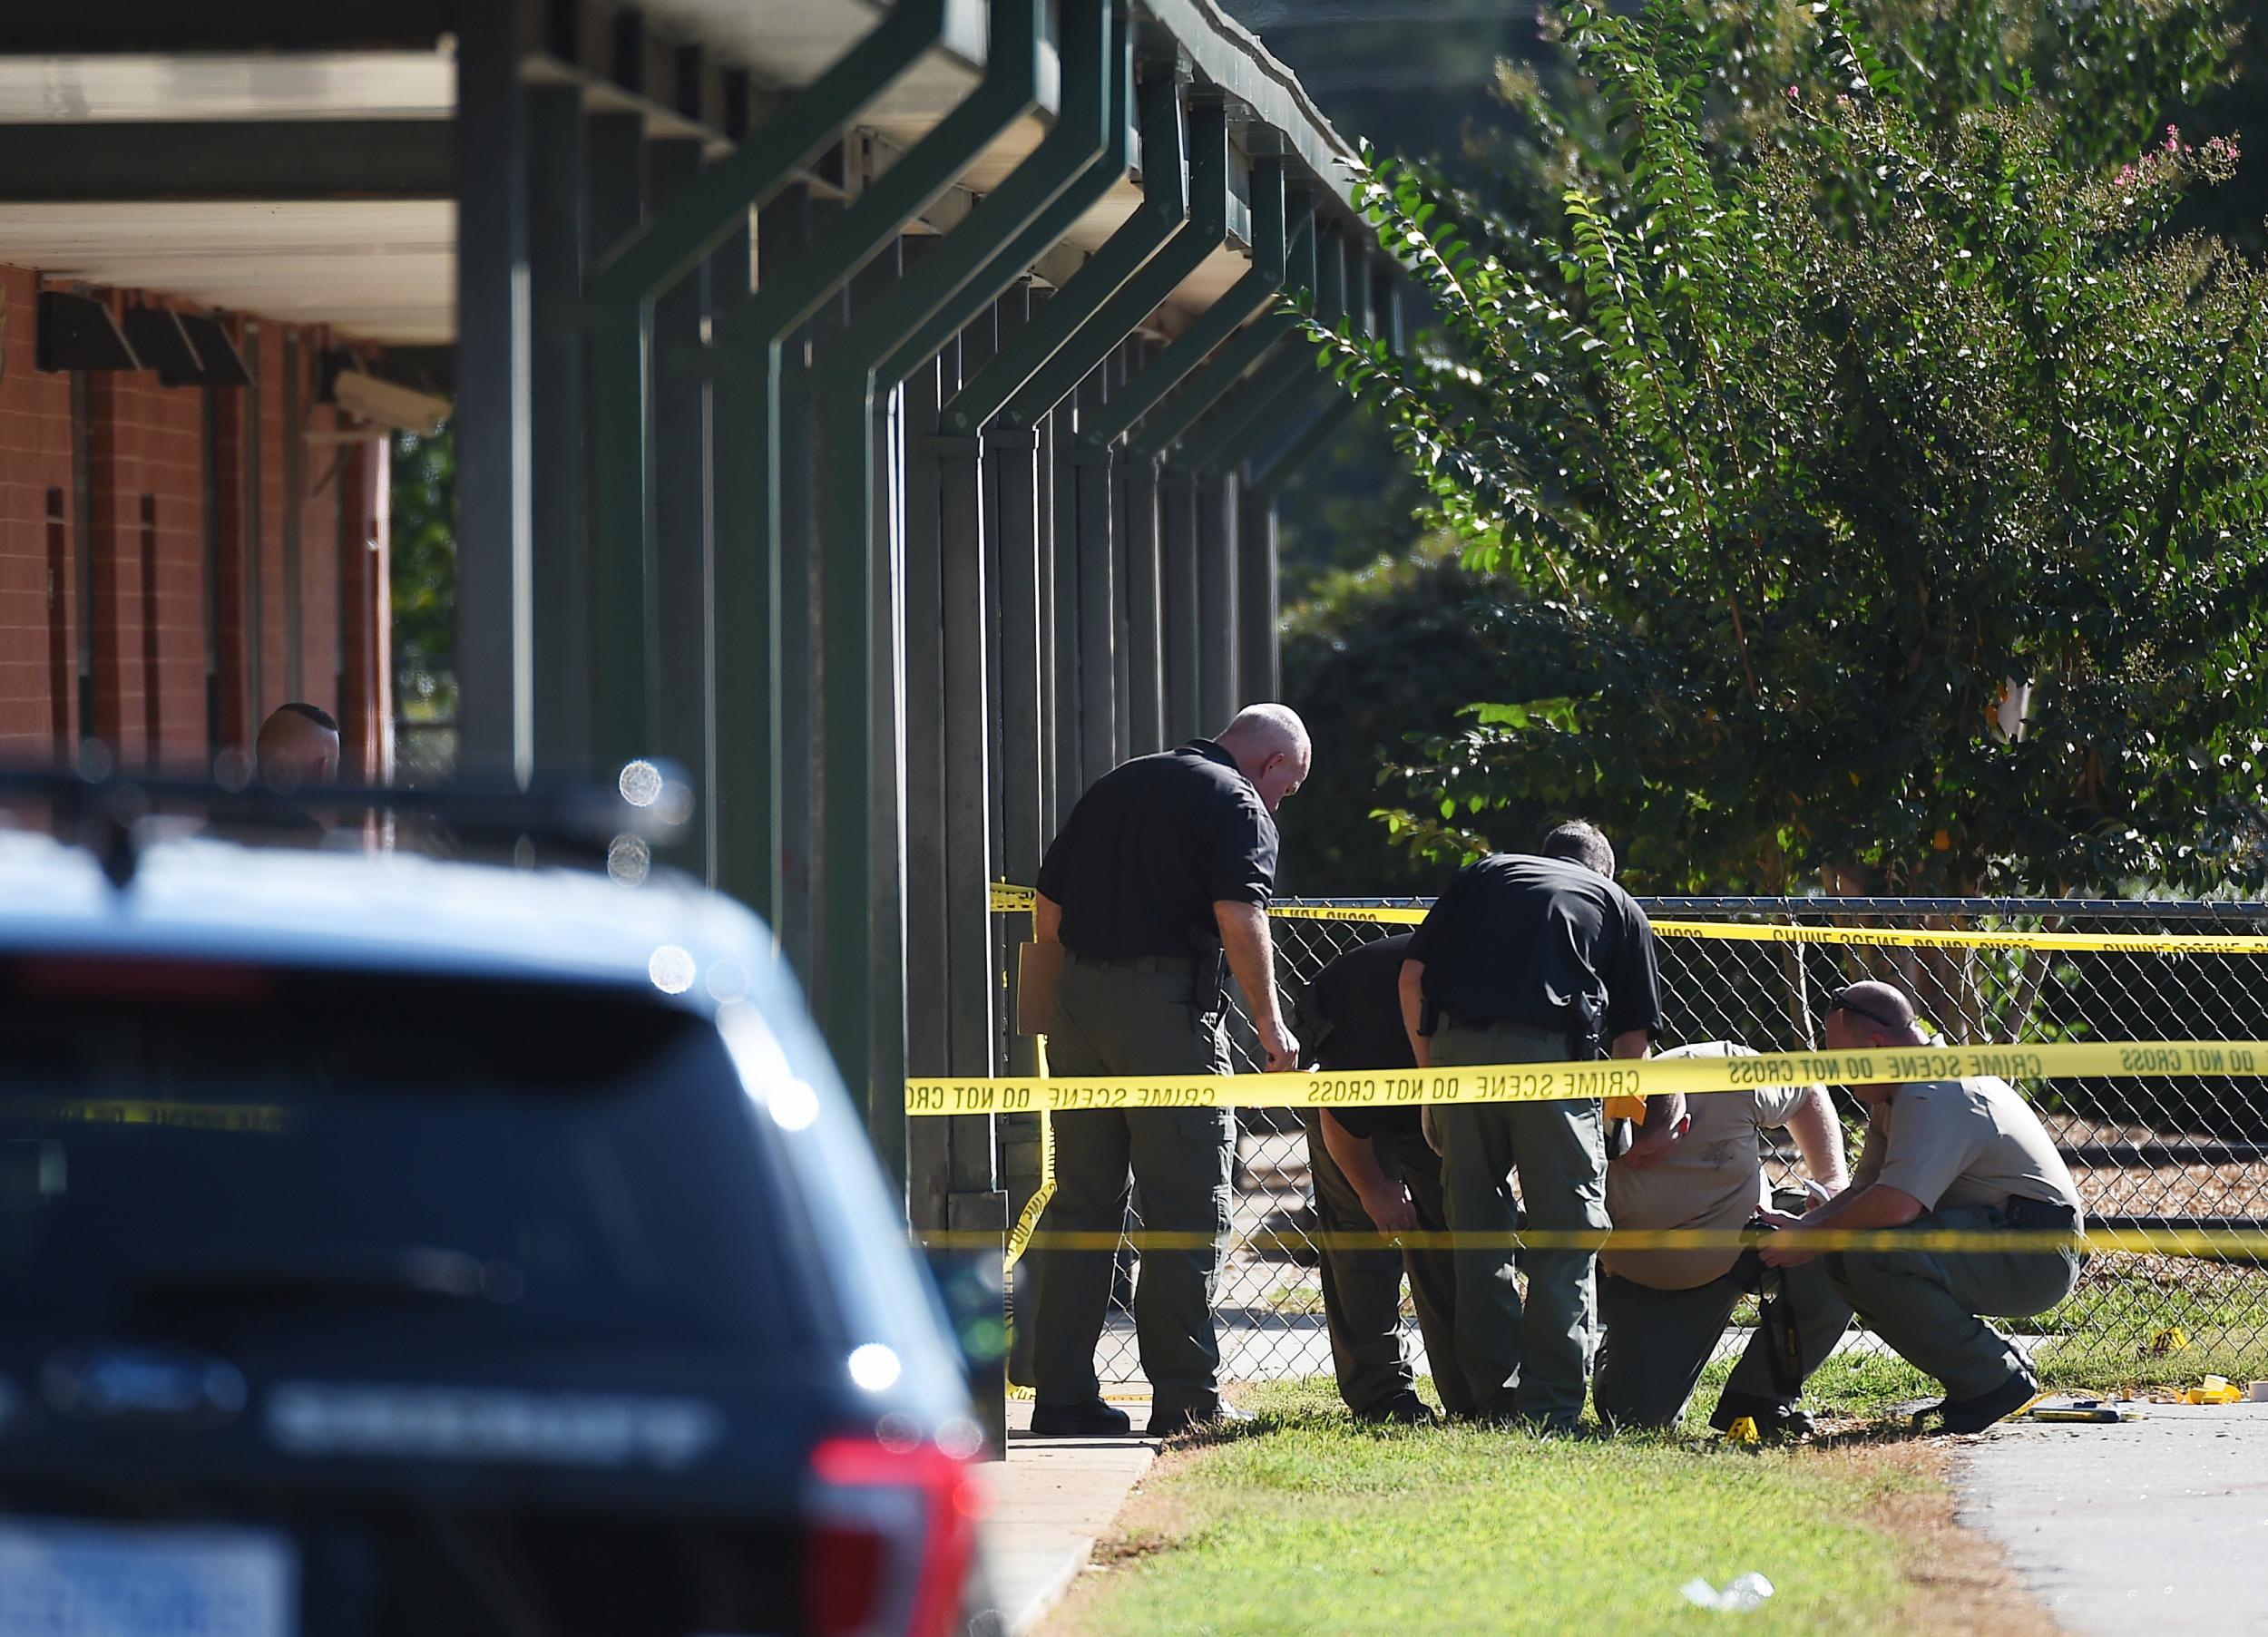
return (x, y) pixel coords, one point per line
(624, 660)
(560, 208)
(681, 590)
(495, 579)
(861, 1003)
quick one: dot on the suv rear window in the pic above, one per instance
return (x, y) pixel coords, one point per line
(247, 1148)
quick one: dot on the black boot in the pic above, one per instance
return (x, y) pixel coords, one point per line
(1774, 1420)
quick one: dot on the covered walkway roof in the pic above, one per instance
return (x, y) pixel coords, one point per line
(308, 169)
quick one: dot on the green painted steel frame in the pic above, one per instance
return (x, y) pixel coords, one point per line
(1093, 179)
(1170, 421)
(1249, 294)
(625, 638)
(961, 273)
(1245, 422)
(1069, 317)
(1203, 229)
(1268, 475)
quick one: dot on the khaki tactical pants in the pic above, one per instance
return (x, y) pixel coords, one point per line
(1925, 1303)
(1361, 1289)
(1114, 1018)
(1529, 1360)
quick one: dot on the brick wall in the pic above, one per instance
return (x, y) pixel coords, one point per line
(156, 552)
(34, 458)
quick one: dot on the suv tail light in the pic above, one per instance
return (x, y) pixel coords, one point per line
(892, 1536)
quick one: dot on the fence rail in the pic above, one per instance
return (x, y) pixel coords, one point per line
(2147, 1154)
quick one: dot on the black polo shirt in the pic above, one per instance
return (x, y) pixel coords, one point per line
(1151, 847)
(1350, 1017)
(1524, 940)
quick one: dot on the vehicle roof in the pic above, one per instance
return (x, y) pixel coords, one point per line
(340, 906)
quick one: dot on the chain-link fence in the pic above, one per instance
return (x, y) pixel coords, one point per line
(2146, 1153)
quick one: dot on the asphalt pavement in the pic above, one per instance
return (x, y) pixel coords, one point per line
(2155, 1526)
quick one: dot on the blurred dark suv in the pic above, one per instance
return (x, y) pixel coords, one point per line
(394, 1248)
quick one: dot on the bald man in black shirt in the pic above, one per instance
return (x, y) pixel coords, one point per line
(1163, 869)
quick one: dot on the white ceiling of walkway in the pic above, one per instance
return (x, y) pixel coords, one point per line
(384, 270)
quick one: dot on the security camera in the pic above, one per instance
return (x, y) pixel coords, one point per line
(388, 404)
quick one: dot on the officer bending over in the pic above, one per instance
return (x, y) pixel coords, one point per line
(1662, 1311)
(1967, 1154)
(1166, 863)
(1374, 1173)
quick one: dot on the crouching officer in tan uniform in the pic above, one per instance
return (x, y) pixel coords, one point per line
(1165, 864)
(1967, 1154)
(1374, 1173)
(1662, 1311)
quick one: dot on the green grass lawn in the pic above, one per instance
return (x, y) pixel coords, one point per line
(1311, 1524)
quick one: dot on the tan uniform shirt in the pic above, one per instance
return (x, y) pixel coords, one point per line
(1712, 1177)
(1951, 1143)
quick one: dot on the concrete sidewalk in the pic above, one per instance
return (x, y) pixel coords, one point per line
(2153, 1525)
(1053, 1499)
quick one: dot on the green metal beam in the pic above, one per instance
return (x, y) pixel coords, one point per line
(1102, 171)
(1249, 294)
(1268, 474)
(1235, 355)
(1165, 207)
(626, 635)
(1254, 414)
(1202, 230)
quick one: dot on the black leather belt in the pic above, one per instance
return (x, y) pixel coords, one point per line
(2040, 1213)
(1138, 963)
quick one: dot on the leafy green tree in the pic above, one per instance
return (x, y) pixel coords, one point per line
(422, 542)
(1373, 656)
(1889, 503)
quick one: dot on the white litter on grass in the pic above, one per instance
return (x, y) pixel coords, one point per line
(1739, 1596)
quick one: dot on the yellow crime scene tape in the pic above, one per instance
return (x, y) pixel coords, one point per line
(1020, 1236)
(1010, 900)
(2233, 1243)
(1559, 1082)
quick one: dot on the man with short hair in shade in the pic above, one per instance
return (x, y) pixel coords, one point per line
(1163, 871)
(298, 746)
(1968, 1156)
